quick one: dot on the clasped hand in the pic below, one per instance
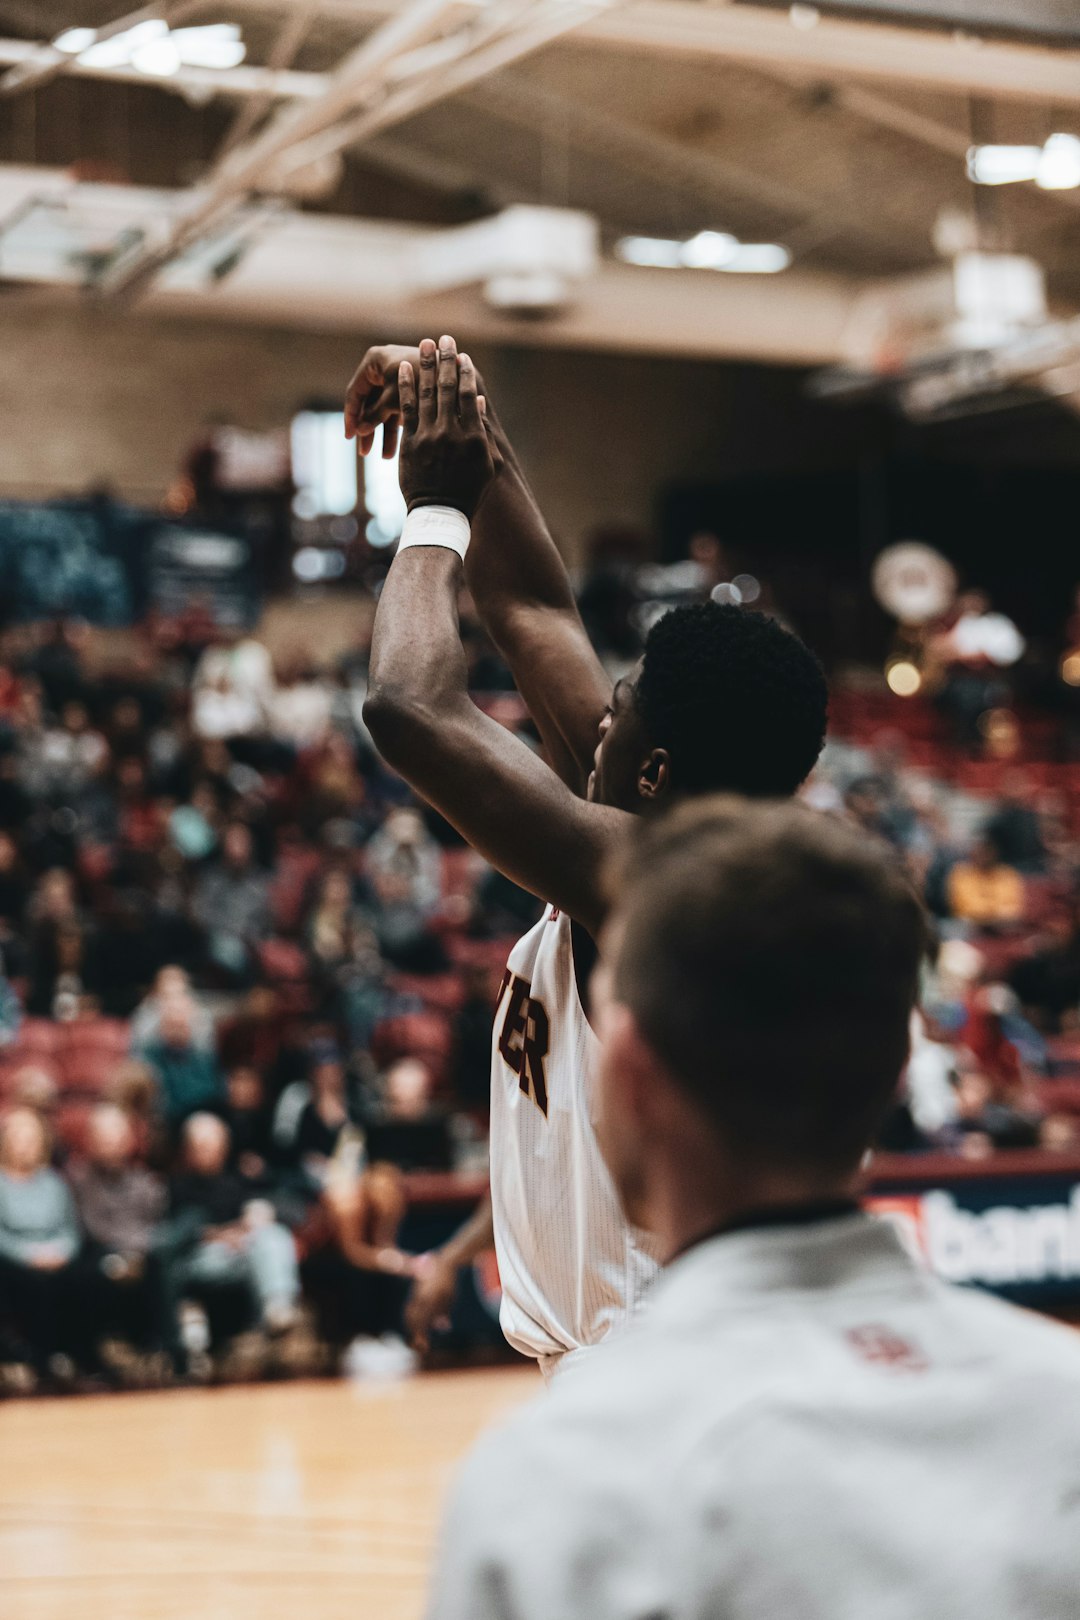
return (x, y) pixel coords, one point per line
(447, 457)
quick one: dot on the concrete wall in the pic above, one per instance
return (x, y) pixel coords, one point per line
(91, 395)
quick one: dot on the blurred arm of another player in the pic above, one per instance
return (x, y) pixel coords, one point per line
(508, 804)
(515, 575)
(436, 1279)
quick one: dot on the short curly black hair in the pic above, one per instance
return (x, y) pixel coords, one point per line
(739, 702)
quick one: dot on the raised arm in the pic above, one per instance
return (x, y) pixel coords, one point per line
(517, 579)
(504, 800)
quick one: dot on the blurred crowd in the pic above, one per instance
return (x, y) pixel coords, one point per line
(246, 982)
(994, 847)
(246, 992)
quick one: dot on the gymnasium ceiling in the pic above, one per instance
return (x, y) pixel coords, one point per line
(843, 140)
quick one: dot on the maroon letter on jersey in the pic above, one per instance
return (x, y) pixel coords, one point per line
(524, 1040)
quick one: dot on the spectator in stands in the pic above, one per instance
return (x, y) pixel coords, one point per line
(14, 882)
(250, 1121)
(1047, 978)
(172, 983)
(142, 820)
(232, 689)
(323, 1122)
(72, 751)
(989, 1034)
(471, 1050)
(57, 662)
(1015, 828)
(39, 1245)
(220, 1236)
(63, 971)
(35, 1087)
(188, 1076)
(406, 1127)
(1060, 1133)
(984, 1122)
(983, 890)
(355, 1270)
(301, 705)
(11, 1013)
(977, 650)
(404, 868)
(120, 1205)
(346, 966)
(232, 903)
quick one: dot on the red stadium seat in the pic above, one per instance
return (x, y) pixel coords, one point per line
(443, 992)
(88, 1069)
(73, 1125)
(283, 962)
(97, 1034)
(39, 1035)
(425, 1035)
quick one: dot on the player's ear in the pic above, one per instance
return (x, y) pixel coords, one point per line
(654, 776)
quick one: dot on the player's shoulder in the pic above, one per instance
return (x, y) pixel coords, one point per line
(1015, 1339)
(595, 1412)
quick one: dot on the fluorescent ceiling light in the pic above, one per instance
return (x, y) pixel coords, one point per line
(160, 58)
(758, 259)
(1054, 167)
(218, 45)
(151, 47)
(708, 250)
(1002, 165)
(1059, 165)
(655, 252)
(75, 40)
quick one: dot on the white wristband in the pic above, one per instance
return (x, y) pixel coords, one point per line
(436, 526)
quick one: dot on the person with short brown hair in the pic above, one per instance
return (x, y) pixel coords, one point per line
(801, 1420)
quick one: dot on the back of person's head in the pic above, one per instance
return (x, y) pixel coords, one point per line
(769, 957)
(407, 1088)
(738, 702)
(177, 1019)
(24, 1142)
(110, 1139)
(205, 1142)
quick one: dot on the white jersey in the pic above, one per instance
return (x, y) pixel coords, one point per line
(571, 1266)
(801, 1422)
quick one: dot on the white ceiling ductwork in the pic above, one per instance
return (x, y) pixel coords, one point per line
(58, 232)
(280, 266)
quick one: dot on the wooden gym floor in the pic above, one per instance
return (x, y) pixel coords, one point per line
(279, 1502)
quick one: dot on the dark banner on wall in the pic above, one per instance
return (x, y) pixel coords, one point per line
(1018, 1236)
(107, 563)
(190, 567)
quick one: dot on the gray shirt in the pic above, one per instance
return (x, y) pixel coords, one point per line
(801, 1422)
(37, 1213)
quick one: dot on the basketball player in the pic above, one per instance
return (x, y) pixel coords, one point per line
(801, 1421)
(721, 699)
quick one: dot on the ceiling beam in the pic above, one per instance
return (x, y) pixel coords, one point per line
(962, 64)
(291, 35)
(405, 64)
(834, 49)
(542, 22)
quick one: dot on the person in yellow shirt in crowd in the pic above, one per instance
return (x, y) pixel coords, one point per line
(985, 891)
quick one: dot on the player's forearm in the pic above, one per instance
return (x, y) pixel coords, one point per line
(513, 561)
(418, 671)
(471, 1240)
